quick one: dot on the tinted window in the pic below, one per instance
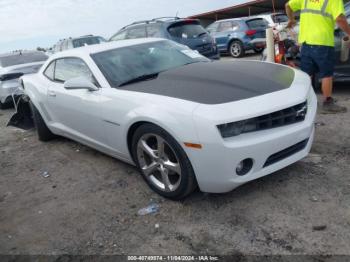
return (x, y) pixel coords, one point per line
(126, 63)
(153, 30)
(136, 32)
(119, 36)
(235, 26)
(50, 71)
(213, 27)
(186, 30)
(280, 18)
(68, 68)
(22, 58)
(87, 41)
(257, 23)
(225, 26)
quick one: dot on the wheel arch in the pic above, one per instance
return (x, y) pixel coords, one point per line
(172, 127)
(233, 40)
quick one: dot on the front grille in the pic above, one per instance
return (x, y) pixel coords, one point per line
(280, 118)
(286, 153)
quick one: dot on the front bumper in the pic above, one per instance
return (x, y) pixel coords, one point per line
(215, 164)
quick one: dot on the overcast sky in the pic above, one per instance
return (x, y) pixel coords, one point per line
(27, 24)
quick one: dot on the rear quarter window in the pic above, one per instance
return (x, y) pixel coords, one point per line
(256, 23)
(50, 71)
(186, 30)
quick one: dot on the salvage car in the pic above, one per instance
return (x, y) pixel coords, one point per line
(182, 119)
(12, 66)
(188, 32)
(238, 35)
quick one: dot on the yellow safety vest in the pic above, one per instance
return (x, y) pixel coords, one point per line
(317, 20)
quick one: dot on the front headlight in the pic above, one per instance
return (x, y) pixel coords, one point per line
(237, 128)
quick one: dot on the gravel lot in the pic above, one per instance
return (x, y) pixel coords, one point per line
(89, 202)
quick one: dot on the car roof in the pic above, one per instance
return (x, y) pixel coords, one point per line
(160, 20)
(246, 18)
(93, 49)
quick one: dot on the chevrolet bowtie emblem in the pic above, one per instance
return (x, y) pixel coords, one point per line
(302, 112)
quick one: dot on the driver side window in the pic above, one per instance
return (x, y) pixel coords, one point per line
(68, 68)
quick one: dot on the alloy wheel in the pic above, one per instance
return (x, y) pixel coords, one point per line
(158, 162)
(236, 50)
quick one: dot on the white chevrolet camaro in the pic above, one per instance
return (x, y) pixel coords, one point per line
(183, 120)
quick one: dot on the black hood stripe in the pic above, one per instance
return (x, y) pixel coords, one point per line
(218, 82)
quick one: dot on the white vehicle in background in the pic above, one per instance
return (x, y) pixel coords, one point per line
(71, 43)
(277, 20)
(182, 119)
(12, 67)
(274, 19)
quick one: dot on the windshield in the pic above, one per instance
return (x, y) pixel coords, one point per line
(88, 41)
(124, 64)
(258, 23)
(186, 30)
(280, 18)
(22, 58)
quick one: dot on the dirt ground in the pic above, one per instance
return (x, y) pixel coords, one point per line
(89, 202)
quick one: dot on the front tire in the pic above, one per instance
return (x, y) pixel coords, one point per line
(162, 162)
(44, 133)
(236, 49)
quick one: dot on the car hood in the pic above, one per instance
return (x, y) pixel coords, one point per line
(29, 68)
(218, 82)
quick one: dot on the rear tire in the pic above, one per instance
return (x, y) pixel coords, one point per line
(236, 49)
(44, 133)
(162, 162)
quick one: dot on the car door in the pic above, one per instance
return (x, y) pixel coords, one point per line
(223, 34)
(76, 112)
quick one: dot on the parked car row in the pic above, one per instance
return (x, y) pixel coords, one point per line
(188, 32)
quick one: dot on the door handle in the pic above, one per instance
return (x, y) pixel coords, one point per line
(52, 93)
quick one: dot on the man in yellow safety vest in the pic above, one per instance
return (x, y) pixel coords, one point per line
(316, 34)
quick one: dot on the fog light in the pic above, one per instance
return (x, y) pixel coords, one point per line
(244, 167)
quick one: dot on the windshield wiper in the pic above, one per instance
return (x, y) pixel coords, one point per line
(140, 78)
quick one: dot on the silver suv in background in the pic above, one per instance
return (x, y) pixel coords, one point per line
(71, 43)
(12, 67)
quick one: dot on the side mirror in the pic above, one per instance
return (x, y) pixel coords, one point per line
(80, 83)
